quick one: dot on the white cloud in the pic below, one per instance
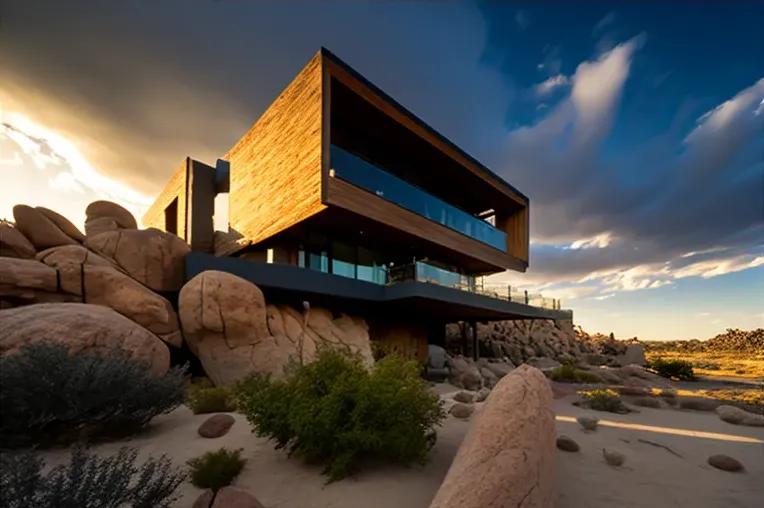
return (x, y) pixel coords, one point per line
(600, 241)
(608, 19)
(551, 84)
(715, 267)
(604, 297)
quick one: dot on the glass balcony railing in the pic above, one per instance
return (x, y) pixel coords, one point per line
(369, 177)
(424, 272)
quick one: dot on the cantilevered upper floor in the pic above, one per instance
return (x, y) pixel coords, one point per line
(335, 154)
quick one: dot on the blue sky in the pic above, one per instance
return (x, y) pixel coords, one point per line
(637, 129)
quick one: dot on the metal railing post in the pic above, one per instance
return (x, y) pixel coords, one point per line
(526, 297)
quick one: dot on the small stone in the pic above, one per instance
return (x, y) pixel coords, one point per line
(482, 394)
(231, 497)
(464, 397)
(204, 500)
(613, 458)
(588, 422)
(725, 463)
(216, 425)
(737, 416)
(566, 444)
(462, 411)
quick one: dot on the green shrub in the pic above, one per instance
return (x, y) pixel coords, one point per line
(672, 369)
(334, 412)
(88, 481)
(604, 400)
(48, 396)
(203, 399)
(215, 470)
(570, 374)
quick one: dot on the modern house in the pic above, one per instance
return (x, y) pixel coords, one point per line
(340, 196)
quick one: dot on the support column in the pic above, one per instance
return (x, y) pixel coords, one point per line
(475, 348)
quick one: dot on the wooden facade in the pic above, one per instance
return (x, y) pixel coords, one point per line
(176, 189)
(280, 172)
(275, 179)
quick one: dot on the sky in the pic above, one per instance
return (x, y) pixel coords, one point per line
(636, 129)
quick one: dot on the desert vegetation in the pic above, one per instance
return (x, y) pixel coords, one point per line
(217, 469)
(335, 412)
(203, 398)
(48, 396)
(88, 480)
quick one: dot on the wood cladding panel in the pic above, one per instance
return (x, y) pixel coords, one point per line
(175, 188)
(516, 226)
(416, 127)
(349, 197)
(276, 167)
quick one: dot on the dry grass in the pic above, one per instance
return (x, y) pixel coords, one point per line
(729, 364)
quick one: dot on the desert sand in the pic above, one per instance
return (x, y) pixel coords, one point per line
(651, 477)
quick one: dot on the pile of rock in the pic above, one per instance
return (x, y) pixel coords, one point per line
(113, 288)
(733, 340)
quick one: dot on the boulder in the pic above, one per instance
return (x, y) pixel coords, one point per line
(111, 211)
(71, 254)
(224, 322)
(465, 374)
(507, 458)
(39, 229)
(482, 395)
(462, 411)
(489, 378)
(231, 497)
(152, 257)
(634, 355)
(737, 416)
(81, 327)
(589, 423)
(13, 243)
(216, 426)
(613, 457)
(95, 227)
(464, 397)
(62, 223)
(26, 281)
(500, 369)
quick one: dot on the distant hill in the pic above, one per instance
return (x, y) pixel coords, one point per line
(751, 341)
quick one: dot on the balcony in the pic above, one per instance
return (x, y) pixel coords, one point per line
(424, 272)
(369, 177)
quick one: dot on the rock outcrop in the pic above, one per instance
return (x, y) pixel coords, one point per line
(104, 216)
(81, 327)
(508, 456)
(73, 274)
(228, 325)
(39, 229)
(13, 243)
(154, 258)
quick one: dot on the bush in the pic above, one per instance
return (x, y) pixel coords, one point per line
(568, 373)
(215, 470)
(334, 412)
(208, 399)
(48, 396)
(672, 369)
(88, 481)
(604, 400)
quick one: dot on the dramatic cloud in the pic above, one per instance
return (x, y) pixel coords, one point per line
(691, 207)
(548, 86)
(132, 88)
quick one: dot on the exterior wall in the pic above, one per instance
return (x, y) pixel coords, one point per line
(200, 204)
(276, 167)
(516, 226)
(407, 338)
(175, 188)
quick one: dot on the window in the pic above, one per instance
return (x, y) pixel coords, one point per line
(171, 217)
(343, 260)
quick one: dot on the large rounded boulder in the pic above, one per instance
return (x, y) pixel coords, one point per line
(39, 229)
(507, 458)
(225, 325)
(82, 328)
(103, 216)
(150, 256)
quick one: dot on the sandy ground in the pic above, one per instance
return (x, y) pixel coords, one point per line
(652, 477)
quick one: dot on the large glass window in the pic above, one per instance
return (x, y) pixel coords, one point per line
(370, 267)
(343, 260)
(391, 188)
